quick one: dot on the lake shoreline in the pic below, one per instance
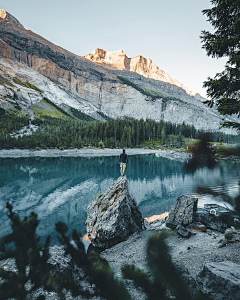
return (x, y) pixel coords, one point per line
(18, 153)
(176, 154)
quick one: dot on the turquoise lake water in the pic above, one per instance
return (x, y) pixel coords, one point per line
(60, 189)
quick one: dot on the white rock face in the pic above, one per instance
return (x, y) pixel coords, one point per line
(13, 93)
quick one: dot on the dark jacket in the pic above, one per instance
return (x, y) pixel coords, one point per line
(123, 158)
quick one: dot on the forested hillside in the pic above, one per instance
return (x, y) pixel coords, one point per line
(66, 131)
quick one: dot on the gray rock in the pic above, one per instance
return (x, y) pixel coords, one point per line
(235, 238)
(184, 232)
(183, 213)
(220, 280)
(155, 225)
(113, 216)
(210, 221)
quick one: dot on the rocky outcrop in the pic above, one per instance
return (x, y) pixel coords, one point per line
(8, 18)
(113, 216)
(183, 212)
(220, 280)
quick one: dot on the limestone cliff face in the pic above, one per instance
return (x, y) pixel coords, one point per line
(137, 64)
(104, 82)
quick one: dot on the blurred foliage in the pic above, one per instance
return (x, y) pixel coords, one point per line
(166, 280)
(227, 150)
(30, 258)
(30, 269)
(95, 269)
(203, 154)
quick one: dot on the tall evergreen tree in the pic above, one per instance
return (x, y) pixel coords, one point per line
(224, 88)
(163, 136)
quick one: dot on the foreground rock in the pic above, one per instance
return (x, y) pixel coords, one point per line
(113, 216)
(183, 231)
(183, 212)
(210, 221)
(220, 280)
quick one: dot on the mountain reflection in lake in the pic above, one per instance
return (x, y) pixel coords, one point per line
(60, 189)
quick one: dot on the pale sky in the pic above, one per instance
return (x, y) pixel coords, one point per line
(165, 31)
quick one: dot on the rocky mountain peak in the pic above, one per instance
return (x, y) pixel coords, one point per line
(8, 18)
(137, 64)
(116, 59)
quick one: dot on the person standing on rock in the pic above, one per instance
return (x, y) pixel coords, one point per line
(123, 160)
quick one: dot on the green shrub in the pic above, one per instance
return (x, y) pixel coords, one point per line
(27, 85)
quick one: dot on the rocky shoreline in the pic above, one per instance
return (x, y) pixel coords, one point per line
(88, 152)
(191, 254)
(17, 153)
(201, 244)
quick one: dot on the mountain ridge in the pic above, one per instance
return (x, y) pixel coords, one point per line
(94, 88)
(8, 18)
(138, 64)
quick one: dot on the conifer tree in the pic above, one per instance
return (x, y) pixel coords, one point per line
(224, 89)
(30, 257)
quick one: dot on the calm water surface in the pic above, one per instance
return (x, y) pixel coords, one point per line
(60, 189)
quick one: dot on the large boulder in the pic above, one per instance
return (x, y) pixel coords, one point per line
(183, 212)
(220, 280)
(113, 216)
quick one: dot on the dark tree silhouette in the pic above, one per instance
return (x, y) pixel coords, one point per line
(30, 258)
(224, 88)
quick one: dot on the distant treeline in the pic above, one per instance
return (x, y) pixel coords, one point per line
(69, 132)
